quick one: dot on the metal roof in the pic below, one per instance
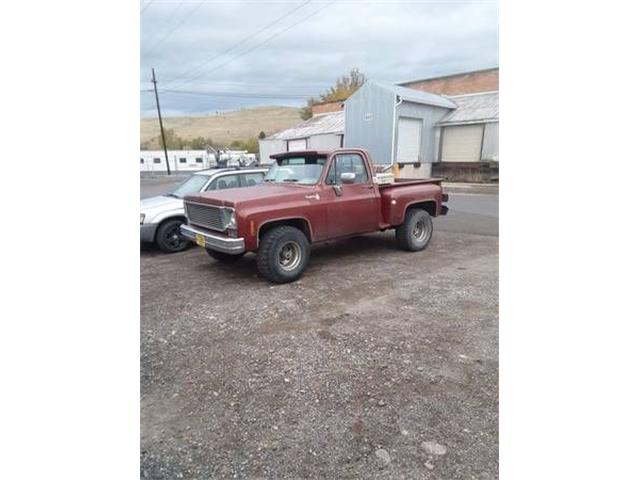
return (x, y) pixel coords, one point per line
(317, 125)
(473, 108)
(417, 96)
(450, 75)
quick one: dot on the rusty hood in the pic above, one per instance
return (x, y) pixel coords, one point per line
(265, 193)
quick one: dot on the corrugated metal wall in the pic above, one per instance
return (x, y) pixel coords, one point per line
(490, 143)
(328, 141)
(430, 115)
(269, 147)
(369, 121)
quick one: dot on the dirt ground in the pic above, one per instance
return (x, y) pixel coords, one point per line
(378, 363)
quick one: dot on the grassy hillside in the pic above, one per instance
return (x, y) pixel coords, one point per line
(225, 127)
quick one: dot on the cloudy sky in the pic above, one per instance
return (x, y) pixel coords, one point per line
(215, 55)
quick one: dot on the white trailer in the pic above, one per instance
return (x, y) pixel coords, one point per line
(179, 160)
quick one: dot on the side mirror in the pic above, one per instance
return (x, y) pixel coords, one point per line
(348, 177)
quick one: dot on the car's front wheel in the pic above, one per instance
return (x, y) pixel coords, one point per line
(283, 254)
(168, 237)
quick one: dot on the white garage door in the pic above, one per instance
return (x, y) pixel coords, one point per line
(462, 143)
(297, 145)
(409, 139)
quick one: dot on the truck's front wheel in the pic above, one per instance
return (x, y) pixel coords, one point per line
(283, 254)
(415, 233)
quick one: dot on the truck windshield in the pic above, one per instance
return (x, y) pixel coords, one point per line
(300, 170)
(192, 184)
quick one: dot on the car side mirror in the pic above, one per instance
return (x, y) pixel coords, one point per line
(348, 177)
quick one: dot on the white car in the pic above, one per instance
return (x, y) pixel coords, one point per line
(161, 216)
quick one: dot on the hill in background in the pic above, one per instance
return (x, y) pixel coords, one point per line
(225, 127)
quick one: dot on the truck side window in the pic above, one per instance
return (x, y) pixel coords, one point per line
(347, 163)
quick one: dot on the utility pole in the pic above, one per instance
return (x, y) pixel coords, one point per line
(164, 143)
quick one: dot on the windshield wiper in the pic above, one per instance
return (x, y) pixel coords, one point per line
(171, 195)
(268, 180)
(290, 180)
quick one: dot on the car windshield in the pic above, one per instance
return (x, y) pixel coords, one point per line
(192, 184)
(299, 170)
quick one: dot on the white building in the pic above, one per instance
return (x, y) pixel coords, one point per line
(179, 160)
(324, 131)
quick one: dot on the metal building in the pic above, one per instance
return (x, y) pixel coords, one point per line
(320, 132)
(470, 132)
(396, 125)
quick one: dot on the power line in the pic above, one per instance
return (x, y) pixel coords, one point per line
(237, 44)
(277, 34)
(171, 17)
(232, 94)
(176, 27)
(146, 6)
(238, 94)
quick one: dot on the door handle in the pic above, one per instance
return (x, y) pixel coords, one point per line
(315, 196)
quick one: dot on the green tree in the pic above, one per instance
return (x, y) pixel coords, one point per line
(344, 87)
(262, 135)
(251, 145)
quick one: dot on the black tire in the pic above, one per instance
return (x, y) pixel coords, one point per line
(283, 254)
(168, 237)
(416, 231)
(223, 257)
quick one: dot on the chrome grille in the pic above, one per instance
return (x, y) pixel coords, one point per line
(206, 216)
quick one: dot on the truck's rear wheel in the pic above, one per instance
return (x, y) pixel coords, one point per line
(283, 254)
(415, 233)
(223, 257)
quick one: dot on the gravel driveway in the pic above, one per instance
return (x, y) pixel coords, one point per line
(376, 364)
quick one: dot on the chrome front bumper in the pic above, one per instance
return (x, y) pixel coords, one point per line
(214, 241)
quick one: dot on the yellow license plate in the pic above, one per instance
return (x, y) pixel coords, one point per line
(200, 239)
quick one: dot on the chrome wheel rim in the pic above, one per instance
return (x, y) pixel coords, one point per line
(290, 256)
(420, 231)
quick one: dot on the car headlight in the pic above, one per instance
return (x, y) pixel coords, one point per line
(141, 218)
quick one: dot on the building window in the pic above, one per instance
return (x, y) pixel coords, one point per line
(198, 160)
(157, 160)
(142, 160)
(183, 160)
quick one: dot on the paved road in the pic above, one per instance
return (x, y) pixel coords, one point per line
(471, 213)
(468, 212)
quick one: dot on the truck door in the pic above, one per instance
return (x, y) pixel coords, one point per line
(355, 207)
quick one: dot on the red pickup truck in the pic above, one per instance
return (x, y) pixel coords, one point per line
(309, 197)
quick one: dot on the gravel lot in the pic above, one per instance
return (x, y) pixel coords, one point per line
(376, 364)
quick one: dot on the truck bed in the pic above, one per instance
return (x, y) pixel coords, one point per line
(400, 182)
